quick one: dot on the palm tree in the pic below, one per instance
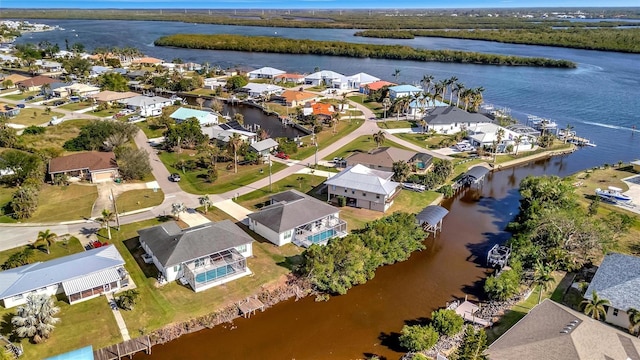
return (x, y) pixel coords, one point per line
(543, 277)
(634, 321)
(451, 82)
(177, 208)
(423, 124)
(128, 299)
(459, 89)
(35, 319)
(300, 180)
(438, 89)
(48, 238)
(239, 118)
(206, 202)
(386, 102)
(499, 137)
(595, 307)
(518, 141)
(426, 81)
(106, 219)
(234, 145)
(445, 85)
(396, 73)
(379, 138)
(335, 117)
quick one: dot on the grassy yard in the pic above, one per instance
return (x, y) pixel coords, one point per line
(77, 105)
(63, 203)
(195, 183)
(30, 117)
(62, 247)
(402, 124)
(460, 166)
(6, 193)
(21, 96)
(377, 108)
(502, 158)
(104, 113)
(425, 140)
(138, 199)
(326, 138)
(361, 144)
(54, 136)
(151, 131)
(306, 184)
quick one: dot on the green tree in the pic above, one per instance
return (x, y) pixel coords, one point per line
(186, 134)
(418, 338)
(177, 209)
(20, 258)
(543, 278)
(239, 118)
(504, 286)
(24, 202)
(48, 238)
(446, 322)
(128, 299)
(133, 164)
(634, 321)
(473, 345)
(24, 166)
(205, 201)
(379, 138)
(106, 219)
(300, 180)
(236, 82)
(35, 319)
(401, 171)
(235, 142)
(113, 81)
(595, 307)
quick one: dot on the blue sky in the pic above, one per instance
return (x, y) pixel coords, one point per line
(308, 4)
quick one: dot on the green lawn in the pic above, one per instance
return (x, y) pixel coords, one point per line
(138, 199)
(361, 144)
(425, 140)
(326, 138)
(502, 158)
(104, 113)
(63, 247)
(76, 106)
(6, 194)
(194, 182)
(30, 117)
(461, 166)
(376, 107)
(54, 136)
(151, 131)
(64, 203)
(306, 183)
(21, 96)
(392, 124)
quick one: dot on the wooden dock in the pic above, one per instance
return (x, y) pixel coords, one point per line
(127, 348)
(249, 306)
(467, 310)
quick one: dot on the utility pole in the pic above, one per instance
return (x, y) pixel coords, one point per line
(316, 154)
(115, 209)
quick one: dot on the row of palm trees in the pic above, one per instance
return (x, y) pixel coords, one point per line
(125, 54)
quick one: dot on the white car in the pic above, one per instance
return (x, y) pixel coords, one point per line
(135, 119)
(55, 121)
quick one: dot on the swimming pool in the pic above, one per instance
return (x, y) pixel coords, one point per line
(322, 236)
(214, 274)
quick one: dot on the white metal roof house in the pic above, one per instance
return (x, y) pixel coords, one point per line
(360, 79)
(80, 277)
(486, 134)
(204, 117)
(256, 89)
(403, 90)
(204, 256)
(296, 217)
(264, 147)
(147, 105)
(265, 73)
(364, 187)
(617, 280)
(324, 77)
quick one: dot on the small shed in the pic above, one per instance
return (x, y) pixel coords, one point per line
(430, 218)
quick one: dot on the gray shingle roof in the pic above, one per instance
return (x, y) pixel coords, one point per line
(293, 209)
(451, 115)
(539, 335)
(172, 245)
(384, 156)
(265, 144)
(359, 177)
(41, 274)
(618, 280)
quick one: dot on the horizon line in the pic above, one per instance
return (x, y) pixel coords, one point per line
(321, 8)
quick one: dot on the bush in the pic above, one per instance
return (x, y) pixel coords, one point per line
(447, 322)
(418, 338)
(342, 201)
(504, 286)
(34, 130)
(133, 163)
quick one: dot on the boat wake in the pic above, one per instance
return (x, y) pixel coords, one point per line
(609, 126)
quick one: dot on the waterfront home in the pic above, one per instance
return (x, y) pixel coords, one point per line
(323, 111)
(264, 147)
(146, 61)
(617, 280)
(364, 187)
(98, 70)
(204, 117)
(12, 80)
(8, 59)
(111, 97)
(214, 83)
(293, 98)
(147, 105)
(399, 91)
(93, 166)
(292, 216)
(262, 90)
(374, 86)
(35, 83)
(265, 73)
(360, 79)
(289, 78)
(223, 132)
(487, 134)
(383, 159)
(555, 332)
(421, 106)
(450, 120)
(48, 67)
(77, 89)
(79, 277)
(8, 111)
(202, 256)
(324, 77)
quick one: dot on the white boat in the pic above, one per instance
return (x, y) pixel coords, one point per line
(414, 187)
(613, 194)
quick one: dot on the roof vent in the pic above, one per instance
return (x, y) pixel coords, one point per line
(564, 332)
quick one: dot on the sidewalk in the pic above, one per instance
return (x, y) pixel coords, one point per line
(121, 324)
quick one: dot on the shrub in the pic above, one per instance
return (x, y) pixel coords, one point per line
(34, 130)
(418, 338)
(504, 286)
(447, 322)
(342, 201)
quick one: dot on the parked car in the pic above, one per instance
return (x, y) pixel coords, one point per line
(58, 102)
(135, 119)
(21, 106)
(175, 177)
(55, 121)
(282, 155)
(29, 98)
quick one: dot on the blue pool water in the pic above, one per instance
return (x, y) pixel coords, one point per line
(321, 237)
(214, 274)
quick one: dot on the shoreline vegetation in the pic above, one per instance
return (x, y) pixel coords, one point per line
(620, 40)
(278, 45)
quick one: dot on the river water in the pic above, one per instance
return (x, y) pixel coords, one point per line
(599, 98)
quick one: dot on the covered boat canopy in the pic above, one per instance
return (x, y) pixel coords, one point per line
(431, 218)
(476, 174)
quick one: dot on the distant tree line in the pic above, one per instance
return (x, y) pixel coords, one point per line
(337, 48)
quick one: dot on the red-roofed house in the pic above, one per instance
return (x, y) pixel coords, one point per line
(291, 78)
(375, 86)
(321, 110)
(93, 166)
(147, 61)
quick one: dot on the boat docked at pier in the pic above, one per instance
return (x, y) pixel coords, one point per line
(613, 194)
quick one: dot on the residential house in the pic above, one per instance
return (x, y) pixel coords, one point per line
(323, 111)
(49, 67)
(450, 120)
(293, 98)
(364, 187)
(323, 78)
(289, 78)
(295, 217)
(552, 331)
(79, 277)
(264, 147)
(13, 80)
(262, 90)
(360, 79)
(8, 111)
(111, 97)
(93, 166)
(617, 280)
(399, 91)
(383, 159)
(147, 105)
(374, 86)
(204, 117)
(35, 83)
(265, 73)
(77, 89)
(136, 74)
(202, 256)
(147, 61)
(422, 106)
(487, 135)
(214, 83)
(224, 132)
(98, 70)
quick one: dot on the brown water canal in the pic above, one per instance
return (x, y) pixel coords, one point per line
(368, 319)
